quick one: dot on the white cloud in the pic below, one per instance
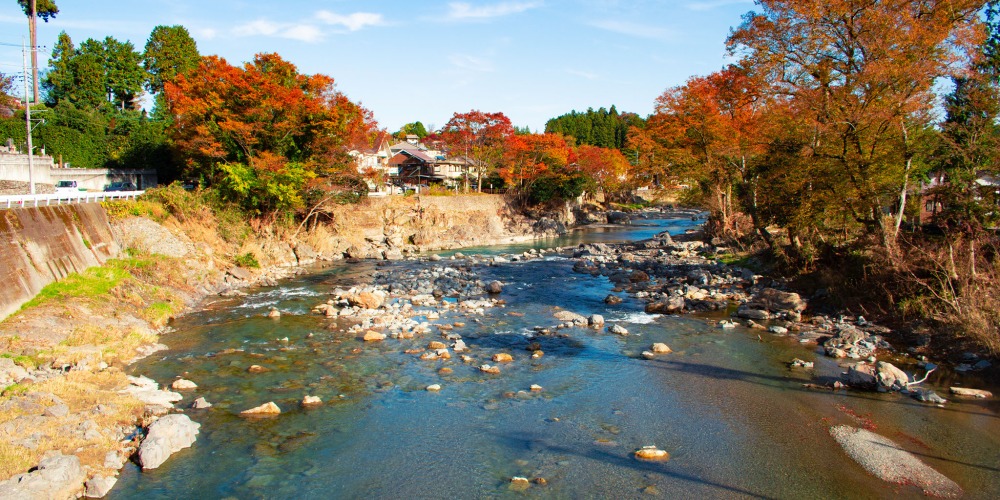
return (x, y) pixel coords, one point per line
(633, 29)
(259, 27)
(262, 27)
(353, 22)
(303, 33)
(471, 63)
(462, 10)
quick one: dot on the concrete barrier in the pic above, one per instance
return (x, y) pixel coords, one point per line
(45, 244)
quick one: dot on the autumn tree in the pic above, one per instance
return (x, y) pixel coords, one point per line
(861, 73)
(34, 9)
(480, 137)
(529, 157)
(271, 138)
(607, 168)
(710, 130)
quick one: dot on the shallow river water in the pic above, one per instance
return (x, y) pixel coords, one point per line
(735, 419)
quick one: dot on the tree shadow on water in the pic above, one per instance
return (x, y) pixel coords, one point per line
(523, 440)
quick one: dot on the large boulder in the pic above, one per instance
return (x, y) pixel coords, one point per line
(770, 299)
(862, 375)
(571, 317)
(671, 305)
(305, 254)
(615, 217)
(57, 476)
(747, 312)
(166, 436)
(367, 300)
(890, 377)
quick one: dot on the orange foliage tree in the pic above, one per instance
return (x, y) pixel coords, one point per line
(861, 75)
(271, 138)
(480, 137)
(711, 129)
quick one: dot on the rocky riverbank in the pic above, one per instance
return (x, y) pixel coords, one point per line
(423, 295)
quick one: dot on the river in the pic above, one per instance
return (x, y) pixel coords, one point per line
(735, 419)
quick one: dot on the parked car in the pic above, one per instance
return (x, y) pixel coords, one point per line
(67, 187)
(120, 186)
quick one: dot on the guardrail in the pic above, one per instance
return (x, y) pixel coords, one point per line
(42, 200)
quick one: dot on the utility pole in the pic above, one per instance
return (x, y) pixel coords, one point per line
(27, 122)
(33, 24)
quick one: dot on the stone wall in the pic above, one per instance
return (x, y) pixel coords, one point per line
(44, 244)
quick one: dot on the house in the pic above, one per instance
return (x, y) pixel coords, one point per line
(932, 202)
(373, 163)
(417, 165)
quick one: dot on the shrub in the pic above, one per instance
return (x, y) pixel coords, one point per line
(248, 260)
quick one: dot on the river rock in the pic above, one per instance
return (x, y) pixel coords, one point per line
(304, 254)
(651, 453)
(778, 330)
(201, 404)
(165, 437)
(367, 300)
(493, 370)
(434, 388)
(239, 273)
(798, 363)
(10, 372)
(274, 313)
(494, 287)
(146, 390)
(861, 375)
(502, 357)
(308, 401)
(671, 305)
(927, 396)
(890, 377)
(570, 317)
(183, 384)
(972, 393)
(57, 476)
(747, 312)
(595, 320)
(770, 299)
(612, 300)
(392, 254)
(99, 486)
(648, 355)
(265, 409)
(618, 330)
(373, 336)
(661, 348)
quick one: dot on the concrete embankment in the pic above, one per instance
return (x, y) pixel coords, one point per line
(44, 244)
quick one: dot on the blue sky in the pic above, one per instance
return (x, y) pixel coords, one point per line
(426, 60)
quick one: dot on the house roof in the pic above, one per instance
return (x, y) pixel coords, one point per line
(405, 154)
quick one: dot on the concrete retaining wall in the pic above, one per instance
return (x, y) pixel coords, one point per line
(44, 244)
(14, 167)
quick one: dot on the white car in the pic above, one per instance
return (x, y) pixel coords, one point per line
(67, 187)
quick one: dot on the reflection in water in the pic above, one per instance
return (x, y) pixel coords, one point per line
(736, 421)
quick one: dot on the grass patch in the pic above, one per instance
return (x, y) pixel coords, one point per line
(22, 360)
(248, 260)
(158, 313)
(94, 282)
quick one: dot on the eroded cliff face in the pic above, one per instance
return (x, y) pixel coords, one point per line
(426, 223)
(44, 244)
